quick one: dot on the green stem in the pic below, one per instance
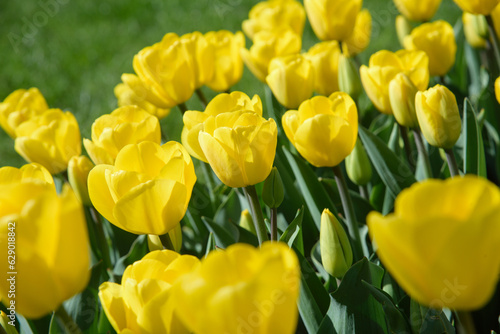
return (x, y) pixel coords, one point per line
(493, 38)
(406, 141)
(452, 163)
(68, 323)
(363, 191)
(350, 215)
(202, 98)
(465, 323)
(274, 224)
(166, 241)
(423, 153)
(182, 107)
(101, 238)
(258, 218)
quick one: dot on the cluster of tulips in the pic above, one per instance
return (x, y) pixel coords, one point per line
(408, 243)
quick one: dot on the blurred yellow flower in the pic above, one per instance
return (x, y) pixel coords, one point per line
(50, 139)
(291, 79)
(127, 97)
(324, 58)
(228, 63)
(483, 7)
(438, 116)
(324, 129)
(437, 40)
(52, 255)
(441, 242)
(266, 46)
(20, 106)
(148, 189)
(497, 89)
(418, 10)
(332, 19)
(142, 303)
(241, 290)
(32, 172)
(360, 37)
(112, 132)
(78, 172)
(336, 252)
(475, 30)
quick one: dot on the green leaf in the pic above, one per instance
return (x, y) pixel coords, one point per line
(225, 235)
(24, 326)
(137, 251)
(293, 233)
(474, 158)
(210, 244)
(425, 320)
(229, 210)
(393, 171)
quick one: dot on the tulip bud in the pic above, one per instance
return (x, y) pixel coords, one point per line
(403, 28)
(291, 79)
(402, 97)
(78, 172)
(438, 116)
(349, 81)
(358, 165)
(475, 29)
(273, 193)
(336, 252)
(483, 7)
(4, 322)
(497, 89)
(246, 221)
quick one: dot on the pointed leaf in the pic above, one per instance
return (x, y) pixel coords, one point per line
(474, 158)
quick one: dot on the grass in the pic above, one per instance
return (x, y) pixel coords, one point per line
(75, 51)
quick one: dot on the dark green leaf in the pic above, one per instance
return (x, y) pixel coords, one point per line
(137, 251)
(474, 158)
(428, 320)
(293, 233)
(225, 235)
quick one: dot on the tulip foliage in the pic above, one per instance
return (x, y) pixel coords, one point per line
(358, 193)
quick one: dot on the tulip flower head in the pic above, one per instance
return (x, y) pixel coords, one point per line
(483, 7)
(33, 172)
(475, 30)
(324, 58)
(79, 168)
(128, 97)
(419, 11)
(323, 129)
(201, 56)
(360, 37)
(441, 242)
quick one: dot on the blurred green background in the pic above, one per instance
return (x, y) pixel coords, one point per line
(75, 51)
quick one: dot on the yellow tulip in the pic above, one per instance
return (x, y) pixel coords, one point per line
(79, 168)
(475, 30)
(239, 146)
(222, 103)
(228, 63)
(142, 303)
(33, 172)
(495, 15)
(166, 69)
(402, 94)
(52, 256)
(360, 37)
(384, 66)
(241, 290)
(246, 221)
(332, 19)
(50, 139)
(20, 106)
(324, 129)
(441, 242)
(418, 10)
(336, 252)
(403, 28)
(275, 15)
(127, 97)
(201, 55)
(497, 89)
(147, 191)
(483, 7)
(291, 79)
(266, 46)
(324, 58)
(112, 132)
(438, 116)
(437, 40)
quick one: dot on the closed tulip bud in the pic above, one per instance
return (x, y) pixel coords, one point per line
(50, 139)
(166, 69)
(275, 15)
(222, 103)
(147, 191)
(241, 290)
(403, 28)
(112, 132)
(438, 116)
(273, 193)
(228, 63)
(201, 55)
(154, 243)
(324, 58)
(475, 29)
(358, 165)
(78, 172)
(419, 11)
(5, 321)
(437, 40)
(497, 89)
(143, 302)
(483, 7)
(268, 45)
(336, 252)
(128, 97)
(324, 129)
(332, 19)
(402, 97)
(291, 79)
(441, 242)
(360, 37)
(349, 81)
(33, 172)
(52, 246)
(384, 66)
(20, 106)
(246, 221)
